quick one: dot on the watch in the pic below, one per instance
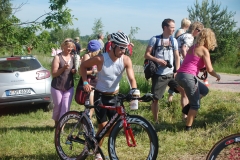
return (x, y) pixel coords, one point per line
(85, 83)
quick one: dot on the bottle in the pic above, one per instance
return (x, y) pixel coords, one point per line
(134, 103)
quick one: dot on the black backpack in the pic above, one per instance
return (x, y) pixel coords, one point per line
(151, 67)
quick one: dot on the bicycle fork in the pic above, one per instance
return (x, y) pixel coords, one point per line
(129, 134)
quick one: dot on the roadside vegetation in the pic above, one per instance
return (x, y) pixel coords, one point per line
(28, 133)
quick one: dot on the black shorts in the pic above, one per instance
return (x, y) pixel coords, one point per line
(103, 114)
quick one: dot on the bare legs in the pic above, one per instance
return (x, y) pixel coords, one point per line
(155, 110)
(91, 99)
(191, 115)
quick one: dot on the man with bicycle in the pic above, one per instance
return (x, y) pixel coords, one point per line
(110, 66)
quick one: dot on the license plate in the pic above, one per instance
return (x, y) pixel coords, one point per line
(18, 92)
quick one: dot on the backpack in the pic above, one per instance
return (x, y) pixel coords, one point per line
(151, 67)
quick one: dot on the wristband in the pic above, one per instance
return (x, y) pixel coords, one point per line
(85, 83)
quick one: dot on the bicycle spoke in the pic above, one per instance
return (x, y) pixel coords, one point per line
(69, 138)
(144, 135)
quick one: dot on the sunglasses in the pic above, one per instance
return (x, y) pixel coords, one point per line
(121, 47)
(198, 30)
(68, 41)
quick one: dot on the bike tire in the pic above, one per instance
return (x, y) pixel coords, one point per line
(69, 149)
(144, 134)
(226, 148)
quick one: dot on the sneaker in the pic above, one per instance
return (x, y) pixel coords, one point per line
(188, 128)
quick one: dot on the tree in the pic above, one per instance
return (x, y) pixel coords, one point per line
(221, 22)
(58, 35)
(97, 28)
(132, 33)
(15, 34)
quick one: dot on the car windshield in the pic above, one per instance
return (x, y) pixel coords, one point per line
(21, 65)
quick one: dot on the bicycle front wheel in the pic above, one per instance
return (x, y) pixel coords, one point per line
(144, 135)
(226, 148)
(69, 137)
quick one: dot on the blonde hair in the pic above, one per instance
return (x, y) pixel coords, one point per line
(195, 25)
(94, 53)
(207, 39)
(68, 41)
(185, 22)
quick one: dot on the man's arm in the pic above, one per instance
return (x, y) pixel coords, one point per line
(150, 57)
(130, 73)
(177, 59)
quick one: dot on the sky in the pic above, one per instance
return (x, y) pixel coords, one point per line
(122, 14)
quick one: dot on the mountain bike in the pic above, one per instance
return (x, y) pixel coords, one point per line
(227, 148)
(75, 136)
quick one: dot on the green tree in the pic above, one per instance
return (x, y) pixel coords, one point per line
(132, 33)
(15, 34)
(58, 35)
(221, 22)
(97, 28)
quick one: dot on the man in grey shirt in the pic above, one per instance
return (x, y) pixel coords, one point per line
(100, 39)
(165, 52)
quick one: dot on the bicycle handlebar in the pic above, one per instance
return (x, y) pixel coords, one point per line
(204, 75)
(147, 97)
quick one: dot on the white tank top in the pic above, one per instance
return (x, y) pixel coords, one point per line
(109, 77)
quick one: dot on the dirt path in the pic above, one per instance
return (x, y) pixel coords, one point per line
(228, 82)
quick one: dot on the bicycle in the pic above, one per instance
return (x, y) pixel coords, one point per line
(226, 148)
(75, 136)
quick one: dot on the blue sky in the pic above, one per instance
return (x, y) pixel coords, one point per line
(122, 14)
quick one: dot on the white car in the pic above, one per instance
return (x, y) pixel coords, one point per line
(24, 81)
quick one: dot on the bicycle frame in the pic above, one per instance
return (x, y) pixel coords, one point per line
(120, 115)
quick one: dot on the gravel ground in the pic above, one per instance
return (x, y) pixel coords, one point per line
(228, 82)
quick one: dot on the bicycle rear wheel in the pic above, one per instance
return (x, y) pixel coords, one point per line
(226, 148)
(69, 137)
(144, 134)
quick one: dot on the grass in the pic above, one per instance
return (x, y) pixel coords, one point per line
(28, 133)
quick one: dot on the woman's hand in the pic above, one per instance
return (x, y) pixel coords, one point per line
(73, 71)
(218, 77)
(66, 66)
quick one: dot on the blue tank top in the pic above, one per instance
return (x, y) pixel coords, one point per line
(109, 77)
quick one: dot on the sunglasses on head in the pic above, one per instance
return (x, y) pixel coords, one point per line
(198, 30)
(121, 47)
(68, 41)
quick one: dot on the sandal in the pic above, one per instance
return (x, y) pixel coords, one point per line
(98, 156)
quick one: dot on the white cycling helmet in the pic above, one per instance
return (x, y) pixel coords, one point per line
(120, 38)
